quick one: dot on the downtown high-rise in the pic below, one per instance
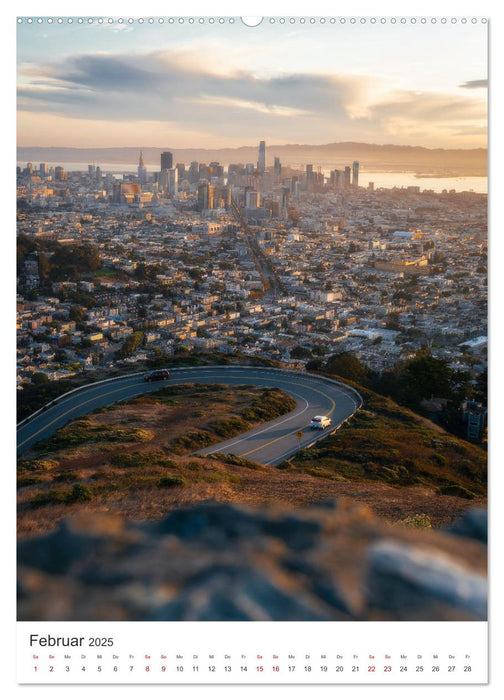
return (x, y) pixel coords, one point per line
(355, 173)
(166, 160)
(261, 161)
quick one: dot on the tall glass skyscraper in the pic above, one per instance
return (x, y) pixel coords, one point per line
(355, 173)
(261, 162)
(166, 160)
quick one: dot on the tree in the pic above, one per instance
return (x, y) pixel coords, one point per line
(44, 266)
(481, 388)
(24, 246)
(182, 350)
(346, 365)
(300, 353)
(70, 262)
(421, 377)
(392, 322)
(196, 274)
(130, 345)
(76, 314)
(314, 364)
(40, 378)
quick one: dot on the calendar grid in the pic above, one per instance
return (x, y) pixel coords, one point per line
(253, 653)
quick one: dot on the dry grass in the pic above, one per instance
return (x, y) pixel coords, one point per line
(390, 444)
(144, 480)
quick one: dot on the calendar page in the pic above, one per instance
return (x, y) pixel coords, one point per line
(251, 349)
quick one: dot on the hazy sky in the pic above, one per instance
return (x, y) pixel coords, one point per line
(186, 85)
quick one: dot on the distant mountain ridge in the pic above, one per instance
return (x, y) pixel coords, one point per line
(468, 162)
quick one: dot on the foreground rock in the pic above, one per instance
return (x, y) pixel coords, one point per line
(336, 561)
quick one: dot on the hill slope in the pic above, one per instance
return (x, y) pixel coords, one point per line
(372, 156)
(129, 459)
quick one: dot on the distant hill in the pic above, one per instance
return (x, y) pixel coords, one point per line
(388, 157)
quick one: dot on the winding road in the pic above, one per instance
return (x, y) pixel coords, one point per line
(269, 443)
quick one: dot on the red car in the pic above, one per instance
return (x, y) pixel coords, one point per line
(156, 375)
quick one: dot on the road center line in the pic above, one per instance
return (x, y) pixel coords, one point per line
(288, 418)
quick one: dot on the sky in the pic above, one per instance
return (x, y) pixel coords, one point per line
(225, 85)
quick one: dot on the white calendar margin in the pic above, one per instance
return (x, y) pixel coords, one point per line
(253, 652)
(259, 7)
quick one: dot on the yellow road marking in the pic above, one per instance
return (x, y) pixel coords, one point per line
(293, 432)
(62, 415)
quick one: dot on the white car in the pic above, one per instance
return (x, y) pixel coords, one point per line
(320, 422)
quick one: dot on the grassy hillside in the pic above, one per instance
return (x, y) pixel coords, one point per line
(390, 444)
(132, 459)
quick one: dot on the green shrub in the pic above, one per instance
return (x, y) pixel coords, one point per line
(237, 461)
(33, 465)
(192, 441)
(166, 462)
(270, 404)
(130, 459)
(66, 476)
(30, 480)
(53, 496)
(83, 431)
(323, 473)
(229, 428)
(166, 482)
(80, 494)
(455, 490)
(193, 466)
(419, 521)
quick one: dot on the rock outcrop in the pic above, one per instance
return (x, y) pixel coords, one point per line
(333, 561)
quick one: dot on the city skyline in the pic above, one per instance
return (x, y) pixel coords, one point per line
(230, 85)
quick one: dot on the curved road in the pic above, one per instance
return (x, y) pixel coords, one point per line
(269, 443)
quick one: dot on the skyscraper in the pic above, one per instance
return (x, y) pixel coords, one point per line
(284, 203)
(355, 173)
(181, 171)
(166, 160)
(336, 179)
(163, 181)
(173, 181)
(347, 177)
(205, 196)
(261, 162)
(43, 170)
(60, 173)
(277, 170)
(142, 170)
(252, 199)
(193, 172)
(309, 177)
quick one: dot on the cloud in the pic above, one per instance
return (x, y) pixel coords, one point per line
(158, 87)
(304, 107)
(430, 107)
(158, 75)
(249, 105)
(473, 84)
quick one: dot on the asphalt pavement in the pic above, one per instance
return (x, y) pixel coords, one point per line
(269, 443)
